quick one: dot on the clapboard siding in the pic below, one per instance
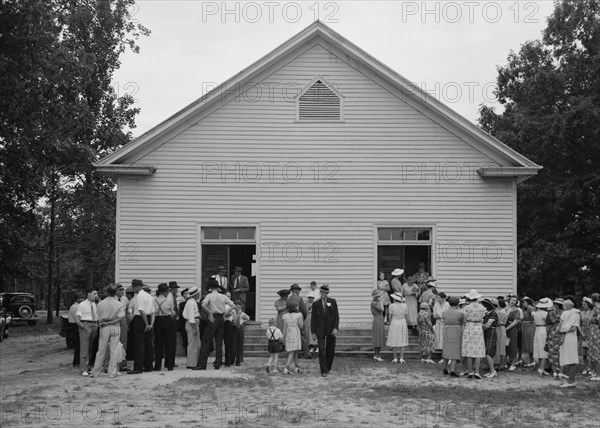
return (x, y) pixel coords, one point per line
(375, 153)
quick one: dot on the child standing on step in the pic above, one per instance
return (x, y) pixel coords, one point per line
(274, 335)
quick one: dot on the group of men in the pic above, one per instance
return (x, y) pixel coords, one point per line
(134, 325)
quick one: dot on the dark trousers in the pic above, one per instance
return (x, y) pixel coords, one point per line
(239, 345)
(213, 330)
(326, 352)
(130, 348)
(228, 338)
(203, 325)
(76, 344)
(184, 337)
(165, 342)
(143, 349)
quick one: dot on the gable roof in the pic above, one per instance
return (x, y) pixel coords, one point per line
(511, 163)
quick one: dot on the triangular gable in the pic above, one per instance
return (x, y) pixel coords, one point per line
(510, 162)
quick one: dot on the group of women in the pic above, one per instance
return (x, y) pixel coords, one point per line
(553, 334)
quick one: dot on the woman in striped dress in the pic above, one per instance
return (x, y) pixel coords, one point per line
(490, 322)
(513, 325)
(500, 357)
(553, 337)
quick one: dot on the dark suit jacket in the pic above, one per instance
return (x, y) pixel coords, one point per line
(300, 302)
(323, 322)
(240, 292)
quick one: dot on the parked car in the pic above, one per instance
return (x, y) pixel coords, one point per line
(20, 306)
(5, 320)
(68, 331)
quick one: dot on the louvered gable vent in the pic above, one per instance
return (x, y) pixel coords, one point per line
(319, 103)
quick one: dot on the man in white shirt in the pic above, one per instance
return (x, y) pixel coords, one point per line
(75, 328)
(86, 319)
(221, 277)
(215, 305)
(110, 313)
(143, 322)
(191, 313)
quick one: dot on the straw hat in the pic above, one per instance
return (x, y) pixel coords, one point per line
(397, 296)
(397, 272)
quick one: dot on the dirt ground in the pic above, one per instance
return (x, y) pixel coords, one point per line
(39, 387)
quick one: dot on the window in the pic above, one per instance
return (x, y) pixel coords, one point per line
(319, 102)
(405, 248)
(221, 234)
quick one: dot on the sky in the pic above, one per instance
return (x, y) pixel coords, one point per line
(451, 49)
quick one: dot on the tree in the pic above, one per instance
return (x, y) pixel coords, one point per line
(58, 114)
(550, 92)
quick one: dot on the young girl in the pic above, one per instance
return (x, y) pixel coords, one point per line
(292, 325)
(274, 335)
(426, 333)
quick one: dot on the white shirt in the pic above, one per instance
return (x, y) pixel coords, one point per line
(72, 312)
(87, 311)
(143, 302)
(190, 310)
(222, 280)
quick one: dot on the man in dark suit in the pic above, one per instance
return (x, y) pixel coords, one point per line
(239, 286)
(325, 322)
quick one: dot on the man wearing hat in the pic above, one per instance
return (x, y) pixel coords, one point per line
(221, 277)
(325, 322)
(181, 320)
(239, 286)
(110, 313)
(215, 305)
(123, 324)
(165, 340)
(295, 298)
(191, 314)
(143, 322)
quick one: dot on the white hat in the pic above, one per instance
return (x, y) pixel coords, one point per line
(397, 296)
(397, 272)
(473, 295)
(544, 303)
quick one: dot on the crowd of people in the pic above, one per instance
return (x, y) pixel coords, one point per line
(131, 324)
(503, 332)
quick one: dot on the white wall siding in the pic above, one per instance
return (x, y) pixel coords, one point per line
(391, 166)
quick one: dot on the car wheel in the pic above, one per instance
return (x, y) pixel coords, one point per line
(25, 311)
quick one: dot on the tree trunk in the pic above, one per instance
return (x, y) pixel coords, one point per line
(57, 285)
(50, 318)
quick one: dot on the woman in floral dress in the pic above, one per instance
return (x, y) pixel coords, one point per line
(473, 343)
(292, 325)
(513, 325)
(426, 333)
(587, 307)
(384, 292)
(594, 337)
(553, 337)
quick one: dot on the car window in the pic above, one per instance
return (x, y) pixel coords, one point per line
(19, 300)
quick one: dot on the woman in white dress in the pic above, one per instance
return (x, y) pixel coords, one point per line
(570, 322)
(539, 339)
(398, 332)
(439, 307)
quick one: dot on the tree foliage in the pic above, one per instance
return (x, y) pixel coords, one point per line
(550, 91)
(58, 114)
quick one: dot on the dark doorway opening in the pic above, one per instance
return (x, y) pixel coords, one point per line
(231, 256)
(407, 257)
